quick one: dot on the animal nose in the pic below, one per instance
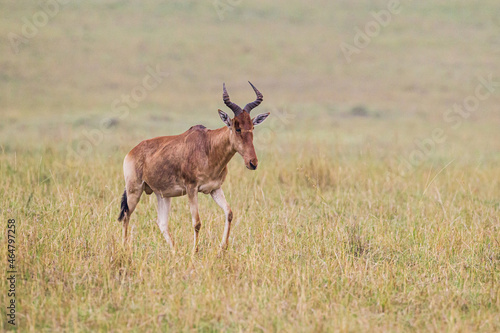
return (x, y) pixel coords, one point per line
(253, 165)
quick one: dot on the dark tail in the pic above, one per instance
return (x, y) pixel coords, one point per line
(124, 207)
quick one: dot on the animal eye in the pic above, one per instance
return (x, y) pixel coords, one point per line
(238, 130)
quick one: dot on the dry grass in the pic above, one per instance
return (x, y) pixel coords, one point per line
(328, 235)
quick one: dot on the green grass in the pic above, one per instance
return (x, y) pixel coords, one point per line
(328, 234)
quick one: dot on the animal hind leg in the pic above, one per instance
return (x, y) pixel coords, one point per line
(134, 187)
(163, 211)
(132, 196)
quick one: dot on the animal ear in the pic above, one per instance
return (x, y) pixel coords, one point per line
(225, 118)
(260, 118)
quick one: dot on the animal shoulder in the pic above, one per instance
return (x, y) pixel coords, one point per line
(195, 134)
(197, 128)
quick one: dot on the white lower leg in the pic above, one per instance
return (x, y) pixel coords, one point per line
(163, 211)
(220, 199)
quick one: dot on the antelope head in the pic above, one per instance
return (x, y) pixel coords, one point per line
(242, 125)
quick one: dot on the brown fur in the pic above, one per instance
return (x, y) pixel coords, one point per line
(192, 162)
(171, 164)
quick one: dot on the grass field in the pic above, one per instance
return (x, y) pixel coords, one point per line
(375, 207)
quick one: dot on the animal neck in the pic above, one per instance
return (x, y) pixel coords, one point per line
(221, 150)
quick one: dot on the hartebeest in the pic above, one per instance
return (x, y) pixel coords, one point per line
(194, 161)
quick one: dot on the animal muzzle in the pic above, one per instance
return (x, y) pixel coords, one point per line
(252, 164)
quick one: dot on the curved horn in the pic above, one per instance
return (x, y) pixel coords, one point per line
(253, 105)
(225, 96)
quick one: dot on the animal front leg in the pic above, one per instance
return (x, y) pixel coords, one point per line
(220, 199)
(193, 205)
(163, 211)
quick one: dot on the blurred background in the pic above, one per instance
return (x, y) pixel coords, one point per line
(326, 232)
(66, 68)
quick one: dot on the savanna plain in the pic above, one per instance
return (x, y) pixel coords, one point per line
(376, 205)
